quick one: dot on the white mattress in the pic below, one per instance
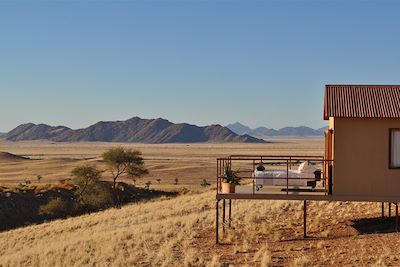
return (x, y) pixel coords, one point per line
(270, 177)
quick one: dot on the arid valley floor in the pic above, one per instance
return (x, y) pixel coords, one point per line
(179, 231)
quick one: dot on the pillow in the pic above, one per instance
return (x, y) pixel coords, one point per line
(303, 166)
(310, 169)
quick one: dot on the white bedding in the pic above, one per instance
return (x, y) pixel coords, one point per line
(270, 177)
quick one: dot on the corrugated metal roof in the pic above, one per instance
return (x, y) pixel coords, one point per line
(362, 101)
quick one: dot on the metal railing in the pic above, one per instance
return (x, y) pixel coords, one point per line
(245, 166)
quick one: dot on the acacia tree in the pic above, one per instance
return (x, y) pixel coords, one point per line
(84, 177)
(121, 161)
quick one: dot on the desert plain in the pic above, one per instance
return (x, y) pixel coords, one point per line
(179, 231)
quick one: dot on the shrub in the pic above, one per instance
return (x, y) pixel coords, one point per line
(205, 183)
(98, 196)
(148, 183)
(55, 207)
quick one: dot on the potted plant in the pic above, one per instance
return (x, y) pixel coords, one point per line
(231, 179)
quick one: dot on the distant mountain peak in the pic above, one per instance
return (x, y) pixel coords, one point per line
(134, 129)
(262, 132)
(239, 128)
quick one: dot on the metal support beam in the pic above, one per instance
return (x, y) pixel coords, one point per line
(305, 219)
(230, 212)
(383, 210)
(217, 222)
(223, 215)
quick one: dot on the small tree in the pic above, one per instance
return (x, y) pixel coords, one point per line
(205, 183)
(121, 161)
(84, 177)
(176, 181)
(158, 180)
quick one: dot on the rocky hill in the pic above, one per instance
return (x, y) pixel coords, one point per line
(270, 132)
(154, 131)
(287, 131)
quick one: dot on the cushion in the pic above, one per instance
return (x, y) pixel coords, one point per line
(303, 166)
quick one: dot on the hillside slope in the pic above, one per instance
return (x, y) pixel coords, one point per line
(152, 131)
(180, 232)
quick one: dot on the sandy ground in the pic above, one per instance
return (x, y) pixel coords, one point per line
(189, 163)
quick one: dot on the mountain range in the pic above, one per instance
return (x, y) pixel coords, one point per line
(262, 132)
(153, 131)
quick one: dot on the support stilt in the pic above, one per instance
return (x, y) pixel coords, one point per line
(305, 219)
(223, 215)
(383, 210)
(390, 210)
(397, 217)
(230, 213)
(216, 221)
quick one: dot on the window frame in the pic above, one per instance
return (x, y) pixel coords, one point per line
(391, 130)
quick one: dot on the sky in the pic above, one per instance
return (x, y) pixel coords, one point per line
(262, 63)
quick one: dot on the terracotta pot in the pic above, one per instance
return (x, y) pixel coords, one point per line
(228, 188)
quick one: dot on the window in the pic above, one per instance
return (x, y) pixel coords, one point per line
(394, 148)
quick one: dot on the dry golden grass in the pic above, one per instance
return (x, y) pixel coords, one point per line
(180, 231)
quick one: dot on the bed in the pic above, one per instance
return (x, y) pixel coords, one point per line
(305, 175)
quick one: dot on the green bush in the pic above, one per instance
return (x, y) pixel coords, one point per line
(55, 207)
(97, 195)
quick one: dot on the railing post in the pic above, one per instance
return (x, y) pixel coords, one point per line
(254, 178)
(217, 176)
(230, 212)
(287, 177)
(305, 219)
(383, 209)
(223, 215)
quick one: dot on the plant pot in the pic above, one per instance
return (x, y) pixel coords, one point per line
(228, 188)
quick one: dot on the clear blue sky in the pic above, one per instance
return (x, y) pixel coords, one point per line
(204, 62)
